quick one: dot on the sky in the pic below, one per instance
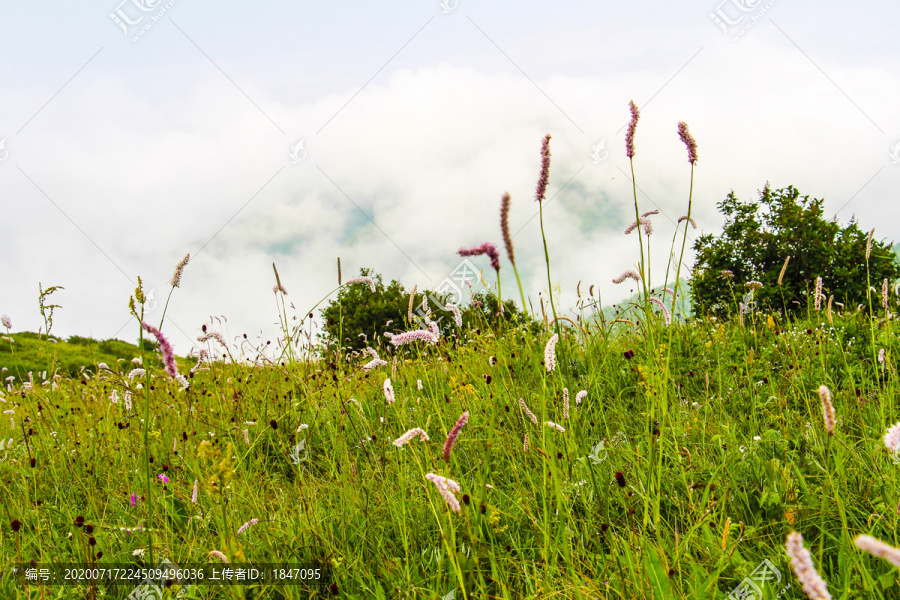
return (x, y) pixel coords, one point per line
(385, 133)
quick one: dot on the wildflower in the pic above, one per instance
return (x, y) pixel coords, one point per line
(550, 353)
(818, 293)
(648, 227)
(168, 355)
(419, 384)
(182, 380)
(783, 269)
(176, 277)
(215, 335)
(801, 561)
(869, 244)
(878, 548)
(884, 294)
(827, 409)
(726, 273)
(629, 135)
(162, 478)
(828, 309)
(133, 499)
(620, 479)
(194, 493)
(305, 426)
(219, 555)
(457, 316)
(566, 403)
(446, 487)
(411, 336)
(15, 524)
(892, 438)
(545, 170)
(689, 141)
(454, 433)
(375, 362)
(754, 285)
(630, 273)
(389, 391)
(409, 435)
(580, 396)
(136, 373)
(555, 426)
(530, 414)
(6, 322)
(247, 436)
(665, 310)
(525, 445)
(504, 227)
(247, 525)
(367, 280)
(689, 219)
(278, 287)
(485, 248)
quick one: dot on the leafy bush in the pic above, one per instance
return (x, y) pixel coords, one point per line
(358, 311)
(754, 246)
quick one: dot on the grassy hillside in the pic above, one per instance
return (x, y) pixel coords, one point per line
(31, 352)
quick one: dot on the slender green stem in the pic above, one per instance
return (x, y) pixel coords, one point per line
(521, 293)
(166, 307)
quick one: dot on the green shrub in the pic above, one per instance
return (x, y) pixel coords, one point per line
(754, 246)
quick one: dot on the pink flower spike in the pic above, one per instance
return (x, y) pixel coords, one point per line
(168, 355)
(411, 336)
(194, 493)
(163, 478)
(485, 248)
(133, 499)
(219, 555)
(550, 353)
(454, 433)
(632, 125)
(689, 141)
(541, 191)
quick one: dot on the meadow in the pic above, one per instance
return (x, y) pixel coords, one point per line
(653, 455)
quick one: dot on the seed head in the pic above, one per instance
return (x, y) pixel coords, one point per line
(783, 269)
(827, 409)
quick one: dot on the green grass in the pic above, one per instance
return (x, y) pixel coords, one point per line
(35, 353)
(704, 500)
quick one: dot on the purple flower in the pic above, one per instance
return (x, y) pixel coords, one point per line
(688, 140)
(165, 347)
(454, 433)
(504, 227)
(486, 248)
(133, 499)
(545, 170)
(163, 478)
(632, 125)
